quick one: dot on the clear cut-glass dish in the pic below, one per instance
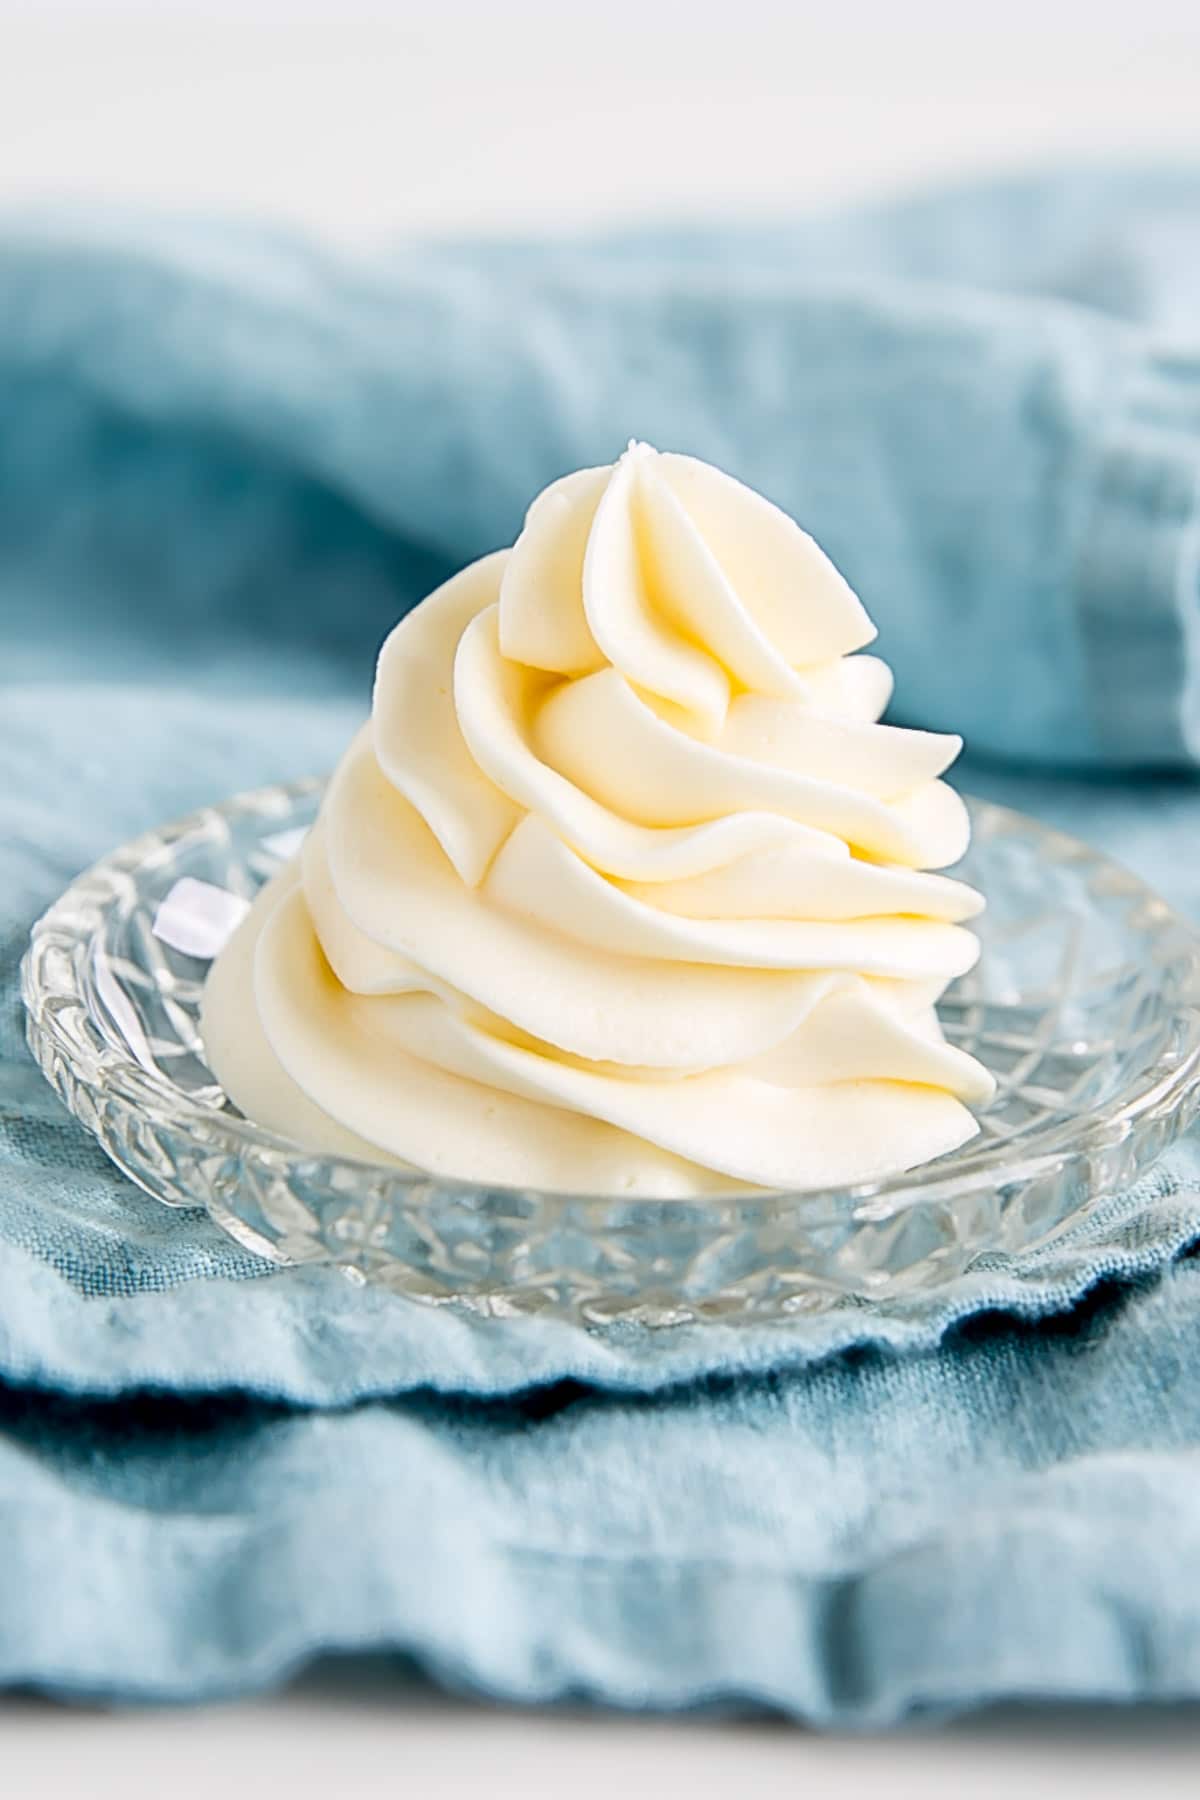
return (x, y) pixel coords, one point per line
(1085, 1005)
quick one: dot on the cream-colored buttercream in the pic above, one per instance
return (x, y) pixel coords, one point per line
(623, 888)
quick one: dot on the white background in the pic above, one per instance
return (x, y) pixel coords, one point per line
(358, 120)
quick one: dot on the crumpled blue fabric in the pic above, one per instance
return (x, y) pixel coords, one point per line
(227, 462)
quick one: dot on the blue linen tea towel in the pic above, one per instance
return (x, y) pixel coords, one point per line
(227, 462)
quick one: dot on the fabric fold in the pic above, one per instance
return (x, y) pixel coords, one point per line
(995, 436)
(882, 1538)
(1138, 577)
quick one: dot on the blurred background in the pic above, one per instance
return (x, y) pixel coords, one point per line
(365, 117)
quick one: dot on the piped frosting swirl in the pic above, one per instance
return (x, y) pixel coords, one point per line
(623, 888)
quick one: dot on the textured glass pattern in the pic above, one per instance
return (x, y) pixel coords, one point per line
(1085, 1005)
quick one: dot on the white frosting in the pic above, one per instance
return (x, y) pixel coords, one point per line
(623, 888)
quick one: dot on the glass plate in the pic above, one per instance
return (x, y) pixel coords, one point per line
(1085, 1005)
